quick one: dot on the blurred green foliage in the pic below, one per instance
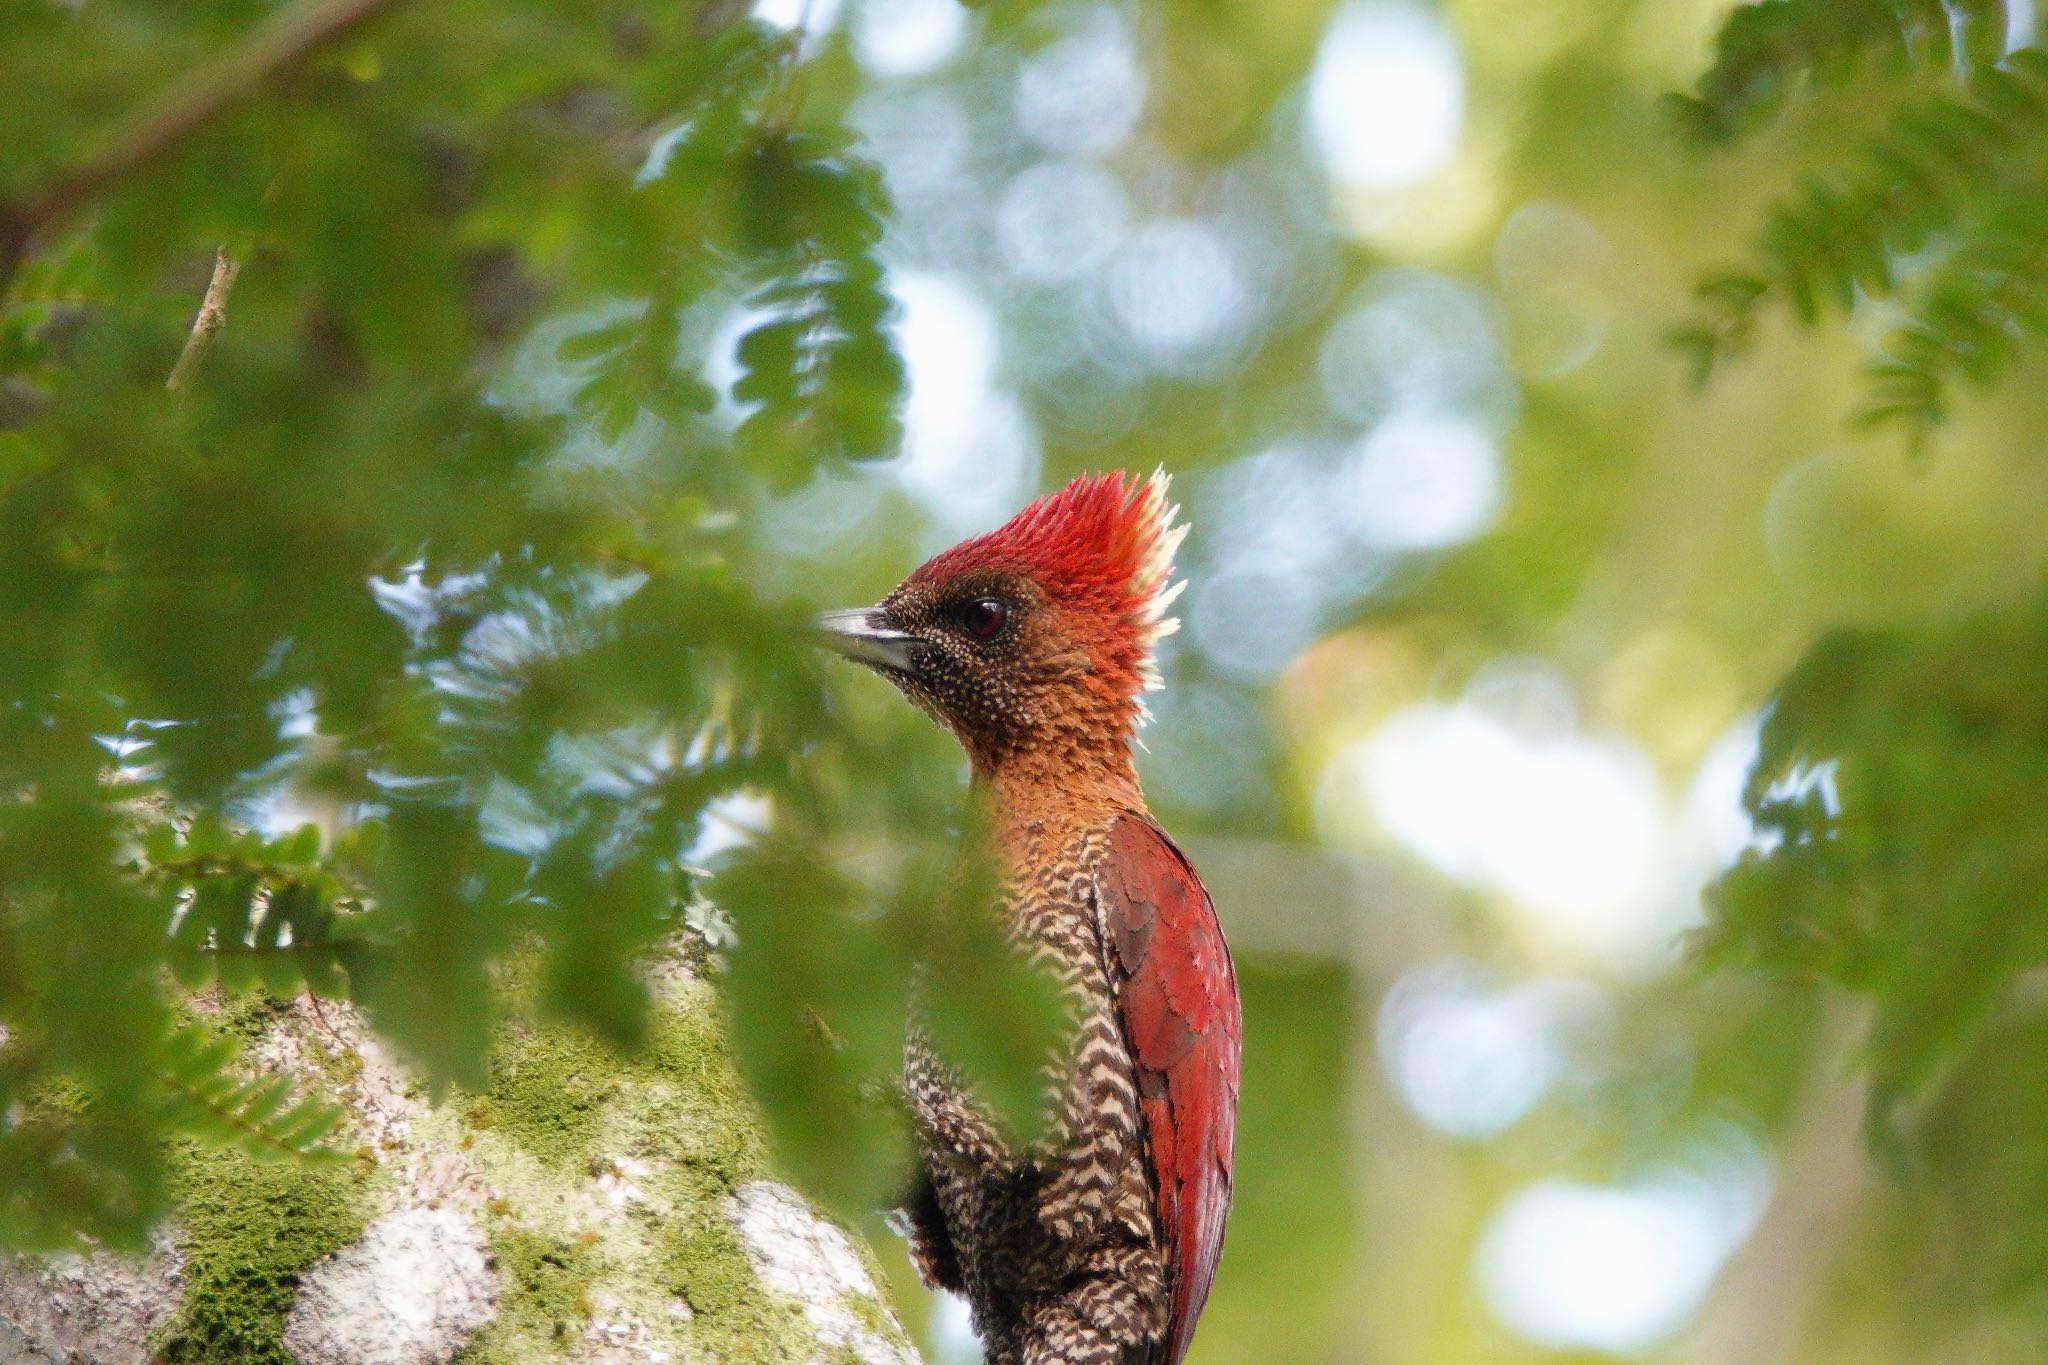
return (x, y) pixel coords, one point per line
(455, 612)
(1766, 53)
(367, 572)
(1900, 853)
(1898, 850)
(1942, 210)
(1900, 859)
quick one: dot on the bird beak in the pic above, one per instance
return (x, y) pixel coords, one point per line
(856, 634)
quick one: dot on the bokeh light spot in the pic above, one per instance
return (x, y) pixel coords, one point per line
(1420, 482)
(1556, 275)
(1060, 220)
(907, 37)
(1470, 1056)
(1619, 1268)
(1568, 827)
(1178, 293)
(1250, 622)
(969, 451)
(1082, 93)
(814, 17)
(1387, 94)
(1271, 511)
(1418, 342)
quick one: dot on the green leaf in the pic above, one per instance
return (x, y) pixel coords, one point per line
(421, 969)
(204, 1097)
(1768, 51)
(1901, 857)
(1948, 168)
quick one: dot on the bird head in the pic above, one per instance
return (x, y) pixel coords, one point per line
(1036, 638)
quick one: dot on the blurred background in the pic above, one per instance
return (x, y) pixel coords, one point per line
(1484, 603)
(1488, 604)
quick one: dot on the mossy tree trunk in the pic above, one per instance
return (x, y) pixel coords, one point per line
(581, 1208)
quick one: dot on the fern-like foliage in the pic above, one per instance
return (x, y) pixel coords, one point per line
(1970, 316)
(820, 366)
(250, 911)
(1849, 236)
(1939, 216)
(801, 215)
(1766, 52)
(635, 363)
(1901, 848)
(450, 537)
(633, 369)
(206, 1096)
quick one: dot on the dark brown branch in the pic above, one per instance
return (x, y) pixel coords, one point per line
(278, 42)
(213, 310)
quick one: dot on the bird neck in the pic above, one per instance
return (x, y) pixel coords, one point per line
(1057, 780)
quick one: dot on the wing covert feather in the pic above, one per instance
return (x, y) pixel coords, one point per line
(1177, 999)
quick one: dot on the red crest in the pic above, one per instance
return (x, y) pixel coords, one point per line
(1103, 545)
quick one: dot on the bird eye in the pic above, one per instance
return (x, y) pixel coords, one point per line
(984, 618)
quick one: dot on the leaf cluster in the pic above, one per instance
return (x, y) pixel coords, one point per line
(1941, 216)
(207, 1099)
(900, 921)
(420, 627)
(1766, 52)
(1901, 851)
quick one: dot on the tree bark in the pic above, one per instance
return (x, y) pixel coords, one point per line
(582, 1208)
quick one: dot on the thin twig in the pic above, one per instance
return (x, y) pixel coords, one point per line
(213, 311)
(283, 39)
(313, 1001)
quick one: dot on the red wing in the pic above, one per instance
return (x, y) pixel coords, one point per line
(1178, 999)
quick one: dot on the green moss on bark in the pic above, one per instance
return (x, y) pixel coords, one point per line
(564, 1120)
(544, 1286)
(249, 1015)
(703, 1148)
(718, 1131)
(248, 1230)
(608, 1179)
(735, 1317)
(549, 1088)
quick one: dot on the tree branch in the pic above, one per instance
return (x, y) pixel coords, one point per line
(278, 42)
(213, 311)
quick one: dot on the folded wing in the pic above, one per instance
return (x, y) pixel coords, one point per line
(1177, 995)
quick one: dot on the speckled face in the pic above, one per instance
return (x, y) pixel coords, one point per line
(1032, 643)
(987, 655)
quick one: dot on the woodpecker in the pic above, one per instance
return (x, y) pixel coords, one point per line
(1033, 645)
